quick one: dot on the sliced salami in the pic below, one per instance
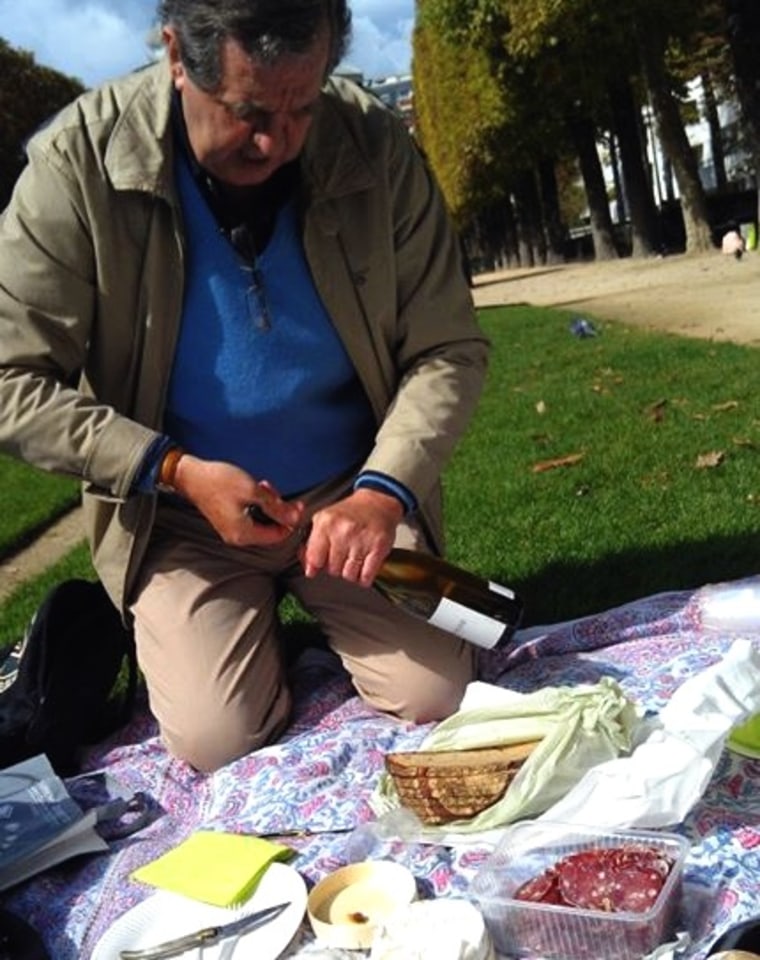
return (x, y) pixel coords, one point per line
(541, 889)
(643, 857)
(614, 880)
(635, 889)
(586, 879)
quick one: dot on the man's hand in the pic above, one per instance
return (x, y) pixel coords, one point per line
(352, 537)
(223, 493)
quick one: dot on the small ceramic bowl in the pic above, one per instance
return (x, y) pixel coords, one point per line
(346, 908)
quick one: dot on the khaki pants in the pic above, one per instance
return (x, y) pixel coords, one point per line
(208, 640)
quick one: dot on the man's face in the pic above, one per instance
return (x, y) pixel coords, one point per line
(258, 118)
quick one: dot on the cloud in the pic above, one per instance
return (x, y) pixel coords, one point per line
(91, 41)
(96, 40)
(381, 49)
(383, 11)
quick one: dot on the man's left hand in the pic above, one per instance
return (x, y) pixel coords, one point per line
(352, 538)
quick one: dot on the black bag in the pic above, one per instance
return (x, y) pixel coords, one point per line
(57, 685)
(18, 940)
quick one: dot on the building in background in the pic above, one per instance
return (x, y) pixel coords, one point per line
(350, 72)
(737, 159)
(396, 93)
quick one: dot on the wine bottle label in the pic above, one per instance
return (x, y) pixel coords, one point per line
(499, 588)
(468, 624)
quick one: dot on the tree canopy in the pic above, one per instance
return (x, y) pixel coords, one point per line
(503, 85)
(29, 95)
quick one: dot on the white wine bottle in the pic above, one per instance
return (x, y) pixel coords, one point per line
(477, 610)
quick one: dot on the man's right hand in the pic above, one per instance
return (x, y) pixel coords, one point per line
(224, 493)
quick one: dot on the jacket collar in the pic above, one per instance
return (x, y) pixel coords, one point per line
(139, 155)
(333, 163)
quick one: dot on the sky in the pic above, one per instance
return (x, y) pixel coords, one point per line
(95, 40)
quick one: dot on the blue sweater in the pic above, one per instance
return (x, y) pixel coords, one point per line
(260, 376)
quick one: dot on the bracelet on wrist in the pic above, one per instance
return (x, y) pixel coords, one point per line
(168, 469)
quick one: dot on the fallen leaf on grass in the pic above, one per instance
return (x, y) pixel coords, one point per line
(656, 411)
(567, 461)
(712, 459)
(724, 407)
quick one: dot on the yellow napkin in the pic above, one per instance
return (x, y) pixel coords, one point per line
(218, 868)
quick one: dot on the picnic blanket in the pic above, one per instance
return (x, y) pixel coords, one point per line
(321, 775)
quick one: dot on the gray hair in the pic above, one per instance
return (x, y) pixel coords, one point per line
(265, 29)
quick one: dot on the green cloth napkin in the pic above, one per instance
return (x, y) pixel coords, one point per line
(218, 868)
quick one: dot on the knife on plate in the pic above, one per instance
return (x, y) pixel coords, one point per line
(207, 936)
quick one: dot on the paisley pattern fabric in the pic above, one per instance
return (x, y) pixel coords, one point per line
(322, 773)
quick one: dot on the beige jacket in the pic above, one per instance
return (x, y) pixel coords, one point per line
(91, 279)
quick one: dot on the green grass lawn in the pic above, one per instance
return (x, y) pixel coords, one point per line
(662, 491)
(30, 500)
(665, 493)
(17, 610)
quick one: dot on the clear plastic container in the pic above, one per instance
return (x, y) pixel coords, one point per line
(734, 608)
(731, 607)
(522, 929)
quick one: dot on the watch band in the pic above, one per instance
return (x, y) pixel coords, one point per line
(168, 470)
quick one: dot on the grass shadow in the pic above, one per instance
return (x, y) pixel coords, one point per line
(27, 537)
(565, 591)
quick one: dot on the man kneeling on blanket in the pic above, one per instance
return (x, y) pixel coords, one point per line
(228, 281)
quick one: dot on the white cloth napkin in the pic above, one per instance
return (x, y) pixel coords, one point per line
(659, 783)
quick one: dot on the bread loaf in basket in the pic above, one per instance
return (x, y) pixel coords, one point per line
(455, 784)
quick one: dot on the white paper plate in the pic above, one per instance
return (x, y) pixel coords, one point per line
(165, 915)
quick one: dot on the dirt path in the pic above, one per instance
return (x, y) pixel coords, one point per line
(708, 296)
(55, 543)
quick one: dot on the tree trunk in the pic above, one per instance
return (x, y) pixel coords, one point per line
(620, 204)
(528, 210)
(676, 145)
(478, 237)
(743, 18)
(645, 228)
(583, 133)
(550, 211)
(716, 134)
(525, 254)
(496, 237)
(510, 245)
